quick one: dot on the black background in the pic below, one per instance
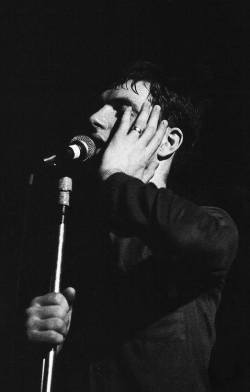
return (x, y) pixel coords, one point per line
(53, 60)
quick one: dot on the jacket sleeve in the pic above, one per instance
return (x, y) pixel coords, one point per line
(205, 236)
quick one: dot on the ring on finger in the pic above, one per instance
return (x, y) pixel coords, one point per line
(138, 129)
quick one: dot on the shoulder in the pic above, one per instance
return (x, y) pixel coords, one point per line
(224, 220)
(228, 235)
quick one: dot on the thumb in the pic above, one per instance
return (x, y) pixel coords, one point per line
(69, 293)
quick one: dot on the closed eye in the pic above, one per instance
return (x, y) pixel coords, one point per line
(120, 105)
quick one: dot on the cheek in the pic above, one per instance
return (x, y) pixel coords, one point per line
(113, 122)
(110, 117)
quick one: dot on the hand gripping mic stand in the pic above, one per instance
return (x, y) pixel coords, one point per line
(65, 187)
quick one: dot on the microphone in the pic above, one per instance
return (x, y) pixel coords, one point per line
(80, 147)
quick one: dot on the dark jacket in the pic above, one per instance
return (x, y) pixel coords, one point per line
(145, 314)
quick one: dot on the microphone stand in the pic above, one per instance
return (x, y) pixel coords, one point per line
(65, 187)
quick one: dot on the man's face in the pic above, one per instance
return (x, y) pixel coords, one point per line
(113, 103)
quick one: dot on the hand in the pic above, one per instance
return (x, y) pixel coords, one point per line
(49, 316)
(132, 153)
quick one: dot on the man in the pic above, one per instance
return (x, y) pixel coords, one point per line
(150, 303)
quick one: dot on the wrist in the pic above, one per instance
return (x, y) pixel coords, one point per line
(105, 174)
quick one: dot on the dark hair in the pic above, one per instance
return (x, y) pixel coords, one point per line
(177, 109)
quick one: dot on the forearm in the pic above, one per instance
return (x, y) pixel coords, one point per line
(167, 220)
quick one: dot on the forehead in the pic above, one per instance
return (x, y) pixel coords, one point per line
(138, 94)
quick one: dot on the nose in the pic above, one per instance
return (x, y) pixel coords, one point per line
(95, 122)
(99, 120)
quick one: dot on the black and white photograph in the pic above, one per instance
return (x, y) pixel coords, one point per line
(125, 197)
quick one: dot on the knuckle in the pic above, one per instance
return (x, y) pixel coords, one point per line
(48, 324)
(55, 298)
(55, 324)
(59, 312)
(52, 335)
(55, 337)
(30, 311)
(30, 323)
(60, 324)
(34, 301)
(59, 339)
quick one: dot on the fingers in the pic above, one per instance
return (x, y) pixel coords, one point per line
(48, 317)
(64, 300)
(142, 119)
(48, 337)
(51, 324)
(147, 121)
(156, 140)
(45, 312)
(51, 299)
(152, 125)
(125, 123)
(51, 331)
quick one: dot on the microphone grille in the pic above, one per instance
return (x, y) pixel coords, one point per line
(91, 147)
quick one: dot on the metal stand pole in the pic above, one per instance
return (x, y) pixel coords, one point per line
(65, 187)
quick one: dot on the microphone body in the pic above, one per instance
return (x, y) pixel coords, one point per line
(81, 147)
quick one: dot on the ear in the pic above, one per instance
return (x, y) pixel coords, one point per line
(171, 143)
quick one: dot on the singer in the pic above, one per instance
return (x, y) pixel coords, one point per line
(149, 282)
